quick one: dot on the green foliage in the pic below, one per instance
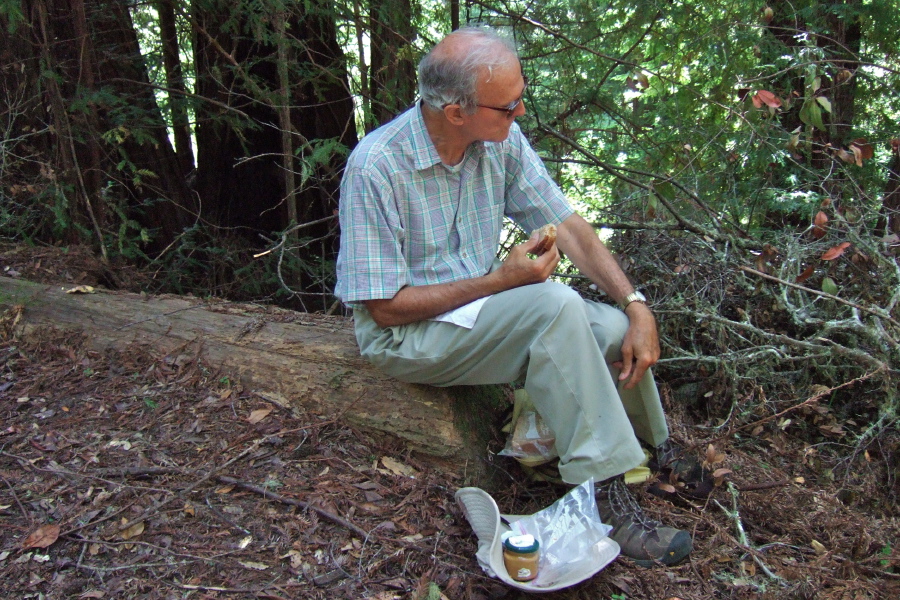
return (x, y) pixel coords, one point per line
(11, 13)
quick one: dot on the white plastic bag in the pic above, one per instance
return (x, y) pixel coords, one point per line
(566, 530)
(531, 441)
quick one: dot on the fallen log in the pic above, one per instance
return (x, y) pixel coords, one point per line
(297, 360)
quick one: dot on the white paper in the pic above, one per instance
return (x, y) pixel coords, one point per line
(465, 315)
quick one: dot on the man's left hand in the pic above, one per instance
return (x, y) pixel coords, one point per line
(640, 348)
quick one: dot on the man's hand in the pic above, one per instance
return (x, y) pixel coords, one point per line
(520, 269)
(640, 348)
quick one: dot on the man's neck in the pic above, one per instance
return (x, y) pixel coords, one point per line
(448, 142)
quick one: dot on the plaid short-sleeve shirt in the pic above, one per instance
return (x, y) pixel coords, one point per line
(408, 219)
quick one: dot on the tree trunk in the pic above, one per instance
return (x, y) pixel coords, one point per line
(292, 359)
(175, 81)
(393, 73)
(889, 216)
(109, 144)
(836, 85)
(239, 152)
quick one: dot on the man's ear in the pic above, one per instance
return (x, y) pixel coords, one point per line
(453, 113)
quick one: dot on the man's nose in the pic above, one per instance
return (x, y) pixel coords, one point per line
(520, 109)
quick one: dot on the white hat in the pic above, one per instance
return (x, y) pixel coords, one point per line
(484, 516)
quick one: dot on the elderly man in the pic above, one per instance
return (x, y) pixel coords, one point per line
(422, 205)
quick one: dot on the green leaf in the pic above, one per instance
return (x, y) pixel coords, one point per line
(811, 114)
(666, 190)
(829, 286)
(825, 102)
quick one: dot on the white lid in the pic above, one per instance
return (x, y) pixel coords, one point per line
(521, 541)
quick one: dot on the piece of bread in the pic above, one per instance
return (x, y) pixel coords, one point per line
(547, 235)
(532, 441)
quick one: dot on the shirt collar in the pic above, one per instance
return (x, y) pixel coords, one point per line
(425, 155)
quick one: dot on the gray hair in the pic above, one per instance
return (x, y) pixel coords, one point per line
(448, 78)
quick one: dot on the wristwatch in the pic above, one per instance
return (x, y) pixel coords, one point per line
(634, 296)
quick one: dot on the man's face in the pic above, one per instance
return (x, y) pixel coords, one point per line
(496, 92)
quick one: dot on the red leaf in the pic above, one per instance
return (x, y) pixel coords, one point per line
(42, 537)
(767, 98)
(806, 274)
(820, 220)
(835, 252)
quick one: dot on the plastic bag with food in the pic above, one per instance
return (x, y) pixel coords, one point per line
(531, 441)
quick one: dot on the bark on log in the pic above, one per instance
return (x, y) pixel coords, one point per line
(293, 359)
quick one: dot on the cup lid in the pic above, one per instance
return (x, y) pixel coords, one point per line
(521, 543)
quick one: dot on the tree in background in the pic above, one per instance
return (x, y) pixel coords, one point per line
(271, 144)
(88, 156)
(97, 156)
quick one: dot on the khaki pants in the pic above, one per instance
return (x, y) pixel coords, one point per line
(563, 345)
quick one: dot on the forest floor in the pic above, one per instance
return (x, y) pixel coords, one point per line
(128, 475)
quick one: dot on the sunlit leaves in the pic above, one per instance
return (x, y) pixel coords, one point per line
(764, 97)
(811, 114)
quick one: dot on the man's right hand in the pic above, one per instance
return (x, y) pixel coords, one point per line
(521, 269)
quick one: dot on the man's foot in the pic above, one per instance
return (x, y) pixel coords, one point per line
(680, 470)
(641, 539)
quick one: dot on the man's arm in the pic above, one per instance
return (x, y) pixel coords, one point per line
(417, 303)
(640, 348)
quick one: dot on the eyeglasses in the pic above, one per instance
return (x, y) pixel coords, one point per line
(510, 108)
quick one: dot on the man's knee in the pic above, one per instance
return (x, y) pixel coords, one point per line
(609, 326)
(553, 298)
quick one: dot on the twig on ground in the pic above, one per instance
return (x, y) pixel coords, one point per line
(12, 490)
(752, 487)
(138, 471)
(299, 503)
(811, 400)
(65, 562)
(152, 509)
(216, 513)
(742, 535)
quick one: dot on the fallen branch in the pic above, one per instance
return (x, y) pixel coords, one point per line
(152, 509)
(25, 514)
(872, 311)
(834, 347)
(298, 503)
(753, 487)
(742, 534)
(137, 471)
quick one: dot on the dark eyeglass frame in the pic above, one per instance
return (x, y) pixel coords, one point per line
(511, 107)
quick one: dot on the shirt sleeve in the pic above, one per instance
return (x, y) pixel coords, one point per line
(371, 264)
(533, 199)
